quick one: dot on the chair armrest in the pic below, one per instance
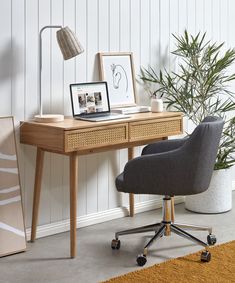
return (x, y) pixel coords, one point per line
(160, 173)
(163, 146)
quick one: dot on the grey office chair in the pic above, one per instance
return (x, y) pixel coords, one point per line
(172, 168)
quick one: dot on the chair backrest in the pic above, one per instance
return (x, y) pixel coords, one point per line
(202, 147)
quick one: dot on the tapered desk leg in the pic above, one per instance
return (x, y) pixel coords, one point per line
(37, 191)
(172, 209)
(131, 196)
(73, 202)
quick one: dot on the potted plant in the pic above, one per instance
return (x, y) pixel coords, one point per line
(200, 88)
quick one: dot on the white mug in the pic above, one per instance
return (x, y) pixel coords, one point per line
(156, 105)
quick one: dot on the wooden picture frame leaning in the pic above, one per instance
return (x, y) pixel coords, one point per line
(12, 227)
(117, 68)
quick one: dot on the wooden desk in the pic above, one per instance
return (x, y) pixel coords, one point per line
(73, 138)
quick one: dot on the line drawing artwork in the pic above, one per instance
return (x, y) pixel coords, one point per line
(119, 76)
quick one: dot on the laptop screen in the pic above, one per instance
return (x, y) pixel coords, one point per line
(89, 98)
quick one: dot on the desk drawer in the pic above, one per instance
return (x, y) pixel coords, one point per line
(155, 128)
(96, 137)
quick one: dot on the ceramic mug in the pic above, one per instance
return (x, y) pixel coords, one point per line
(156, 105)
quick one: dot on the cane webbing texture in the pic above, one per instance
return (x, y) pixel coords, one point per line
(154, 129)
(96, 138)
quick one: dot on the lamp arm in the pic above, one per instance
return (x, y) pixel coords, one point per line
(40, 64)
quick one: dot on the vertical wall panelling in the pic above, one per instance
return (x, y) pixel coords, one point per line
(182, 25)
(92, 49)
(141, 26)
(208, 17)
(174, 29)
(183, 15)
(145, 49)
(45, 19)
(124, 25)
(65, 186)
(5, 57)
(44, 12)
(18, 59)
(114, 25)
(135, 20)
(124, 45)
(18, 76)
(114, 46)
(31, 99)
(191, 13)
(103, 158)
(164, 33)
(200, 16)
(69, 65)
(113, 170)
(135, 33)
(81, 31)
(231, 44)
(69, 8)
(154, 37)
(56, 59)
(216, 20)
(57, 94)
(224, 23)
(122, 161)
(154, 42)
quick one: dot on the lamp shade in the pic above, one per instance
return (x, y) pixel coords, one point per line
(68, 43)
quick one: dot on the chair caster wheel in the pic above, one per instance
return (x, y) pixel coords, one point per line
(141, 260)
(205, 256)
(211, 239)
(115, 244)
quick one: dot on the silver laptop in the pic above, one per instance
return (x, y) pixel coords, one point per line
(90, 102)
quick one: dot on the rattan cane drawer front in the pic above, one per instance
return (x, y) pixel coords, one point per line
(151, 129)
(96, 137)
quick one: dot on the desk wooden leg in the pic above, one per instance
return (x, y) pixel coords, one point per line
(131, 196)
(73, 202)
(37, 191)
(172, 209)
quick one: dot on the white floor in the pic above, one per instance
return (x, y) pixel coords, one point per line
(47, 260)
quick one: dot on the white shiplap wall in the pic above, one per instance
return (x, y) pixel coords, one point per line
(141, 26)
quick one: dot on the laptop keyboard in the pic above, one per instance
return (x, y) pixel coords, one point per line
(94, 115)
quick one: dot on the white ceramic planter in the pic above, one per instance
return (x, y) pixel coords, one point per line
(217, 199)
(156, 105)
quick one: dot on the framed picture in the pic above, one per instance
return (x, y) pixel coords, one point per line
(12, 229)
(118, 70)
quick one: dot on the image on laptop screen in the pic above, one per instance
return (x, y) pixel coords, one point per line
(89, 99)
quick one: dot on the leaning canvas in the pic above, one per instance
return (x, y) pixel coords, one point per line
(12, 230)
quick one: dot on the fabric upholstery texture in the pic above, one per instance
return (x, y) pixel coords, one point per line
(175, 167)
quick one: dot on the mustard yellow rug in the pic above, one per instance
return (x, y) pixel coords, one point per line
(188, 269)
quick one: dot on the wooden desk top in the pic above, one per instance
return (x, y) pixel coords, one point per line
(70, 123)
(86, 137)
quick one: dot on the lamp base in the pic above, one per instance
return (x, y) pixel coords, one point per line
(49, 118)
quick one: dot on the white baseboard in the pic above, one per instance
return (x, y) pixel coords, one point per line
(233, 185)
(95, 218)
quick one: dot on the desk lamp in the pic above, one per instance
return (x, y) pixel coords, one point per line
(70, 47)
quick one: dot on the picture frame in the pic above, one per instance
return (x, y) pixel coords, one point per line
(12, 226)
(117, 68)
